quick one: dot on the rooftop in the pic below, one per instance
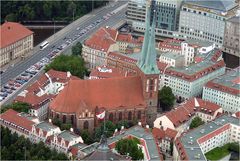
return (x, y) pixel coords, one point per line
(107, 72)
(235, 19)
(12, 32)
(46, 126)
(14, 117)
(219, 5)
(190, 141)
(172, 55)
(198, 43)
(67, 135)
(229, 82)
(171, 44)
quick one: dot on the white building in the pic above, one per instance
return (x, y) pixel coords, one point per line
(180, 117)
(194, 144)
(64, 140)
(172, 59)
(41, 131)
(205, 20)
(187, 82)
(224, 91)
(190, 48)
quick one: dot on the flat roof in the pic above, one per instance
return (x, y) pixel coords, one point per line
(198, 42)
(172, 55)
(230, 80)
(235, 19)
(46, 126)
(67, 135)
(140, 133)
(189, 139)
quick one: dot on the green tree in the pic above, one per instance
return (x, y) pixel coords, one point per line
(166, 98)
(17, 106)
(77, 49)
(74, 64)
(197, 121)
(87, 137)
(110, 128)
(65, 126)
(47, 10)
(130, 147)
(71, 10)
(11, 17)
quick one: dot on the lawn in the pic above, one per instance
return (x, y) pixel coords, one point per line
(218, 153)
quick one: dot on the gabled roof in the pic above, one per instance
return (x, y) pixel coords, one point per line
(12, 32)
(13, 117)
(110, 93)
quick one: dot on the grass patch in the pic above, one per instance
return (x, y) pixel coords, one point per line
(220, 152)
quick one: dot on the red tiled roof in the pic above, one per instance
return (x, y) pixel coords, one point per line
(115, 72)
(102, 39)
(121, 57)
(158, 133)
(161, 66)
(181, 113)
(125, 38)
(168, 44)
(13, 117)
(170, 133)
(108, 93)
(12, 32)
(237, 114)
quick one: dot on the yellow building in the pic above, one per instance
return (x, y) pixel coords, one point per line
(16, 41)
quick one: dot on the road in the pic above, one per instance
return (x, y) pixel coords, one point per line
(57, 40)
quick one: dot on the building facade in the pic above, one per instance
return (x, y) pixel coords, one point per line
(167, 16)
(231, 36)
(16, 41)
(224, 91)
(205, 20)
(172, 59)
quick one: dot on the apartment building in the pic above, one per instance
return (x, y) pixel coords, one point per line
(194, 144)
(224, 91)
(16, 41)
(172, 59)
(231, 36)
(205, 20)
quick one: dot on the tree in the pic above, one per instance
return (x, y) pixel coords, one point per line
(110, 128)
(65, 126)
(11, 17)
(197, 121)
(71, 10)
(130, 147)
(77, 49)
(17, 106)
(47, 10)
(73, 64)
(166, 98)
(87, 137)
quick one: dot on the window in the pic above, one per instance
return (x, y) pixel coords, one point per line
(139, 114)
(130, 115)
(120, 116)
(85, 125)
(110, 117)
(64, 118)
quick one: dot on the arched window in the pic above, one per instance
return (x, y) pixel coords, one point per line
(85, 125)
(130, 115)
(139, 115)
(120, 116)
(110, 117)
(64, 118)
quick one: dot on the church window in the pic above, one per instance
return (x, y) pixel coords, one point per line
(72, 119)
(110, 117)
(130, 115)
(64, 118)
(139, 114)
(120, 116)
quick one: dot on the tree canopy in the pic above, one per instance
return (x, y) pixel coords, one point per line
(74, 64)
(166, 98)
(19, 148)
(46, 10)
(130, 147)
(197, 121)
(17, 106)
(77, 49)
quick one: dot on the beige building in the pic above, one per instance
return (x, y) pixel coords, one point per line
(16, 41)
(231, 36)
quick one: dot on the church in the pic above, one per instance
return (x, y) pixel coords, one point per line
(131, 98)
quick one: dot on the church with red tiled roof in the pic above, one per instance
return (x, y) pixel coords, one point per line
(131, 98)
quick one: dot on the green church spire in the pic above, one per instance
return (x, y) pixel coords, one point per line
(148, 63)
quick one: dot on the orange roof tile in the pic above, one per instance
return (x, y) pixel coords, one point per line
(115, 72)
(13, 117)
(170, 133)
(158, 133)
(109, 93)
(12, 32)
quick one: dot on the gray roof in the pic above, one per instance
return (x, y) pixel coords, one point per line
(189, 140)
(219, 5)
(198, 42)
(67, 135)
(139, 133)
(172, 55)
(229, 78)
(46, 126)
(235, 19)
(197, 67)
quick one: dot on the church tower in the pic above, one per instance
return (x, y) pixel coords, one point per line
(147, 67)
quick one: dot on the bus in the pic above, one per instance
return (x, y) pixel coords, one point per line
(44, 45)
